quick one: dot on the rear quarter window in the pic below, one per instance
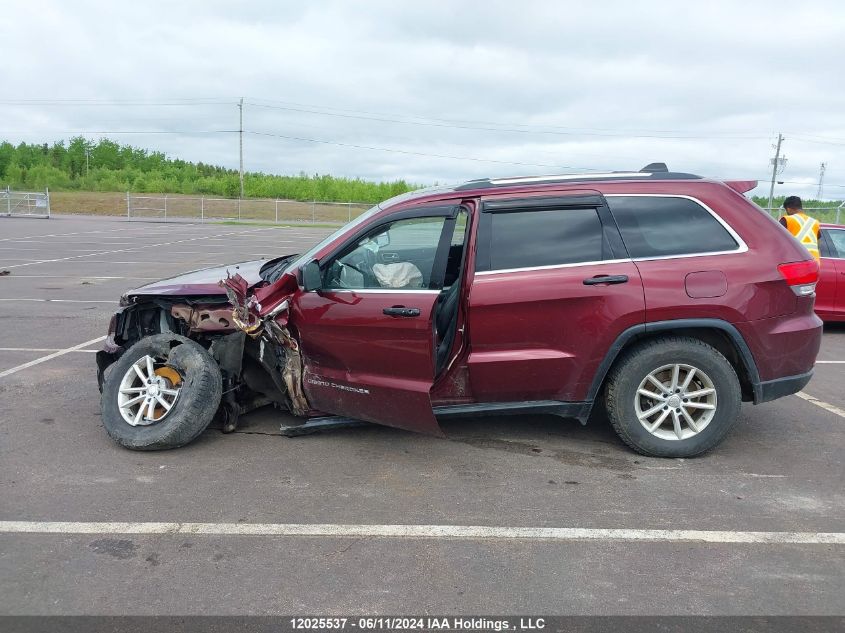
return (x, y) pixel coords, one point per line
(654, 226)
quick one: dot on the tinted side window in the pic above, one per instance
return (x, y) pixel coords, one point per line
(523, 239)
(837, 240)
(662, 227)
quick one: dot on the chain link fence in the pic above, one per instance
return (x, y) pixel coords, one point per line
(34, 204)
(827, 215)
(164, 208)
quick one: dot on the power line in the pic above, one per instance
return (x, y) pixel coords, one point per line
(141, 132)
(116, 102)
(423, 120)
(412, 153)
(635, 132)
(815, 140)
(500, 129)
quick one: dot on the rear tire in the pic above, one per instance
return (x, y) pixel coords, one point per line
(647, 403)
(192, 391)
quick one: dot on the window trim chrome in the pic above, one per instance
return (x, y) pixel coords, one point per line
(742, 247)
(380, 291)
(485, 273)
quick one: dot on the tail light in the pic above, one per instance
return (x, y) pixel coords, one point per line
(801, 276)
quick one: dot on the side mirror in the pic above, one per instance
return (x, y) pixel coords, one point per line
(312, 279)
(382, 239)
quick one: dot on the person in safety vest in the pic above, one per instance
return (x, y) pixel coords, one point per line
(804, 228)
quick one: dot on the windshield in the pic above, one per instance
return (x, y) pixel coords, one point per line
(311, 252)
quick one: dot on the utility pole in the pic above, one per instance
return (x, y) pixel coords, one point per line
(241, 134)
(822, 169)
(87, 151)
(776, 161)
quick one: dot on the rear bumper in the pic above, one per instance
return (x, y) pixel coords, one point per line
(783, 347)
(780, 387)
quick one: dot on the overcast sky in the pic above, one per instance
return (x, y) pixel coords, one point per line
(456, 90)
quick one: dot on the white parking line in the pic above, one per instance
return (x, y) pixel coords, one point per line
(38, 361)
(108, 261)
(77, 242)
(821, 403)
(7, 239)
(45, 349)
(79, 277)
(830, 362)
(474, 532)
(124, 250)
(63, 300)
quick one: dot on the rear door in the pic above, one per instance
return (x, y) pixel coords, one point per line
(553, 288)
(368, 334)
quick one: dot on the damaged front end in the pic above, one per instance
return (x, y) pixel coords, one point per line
(245, 331)
(263, 316)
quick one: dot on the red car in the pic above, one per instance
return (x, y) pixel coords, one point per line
(830, 293)
(666, 297)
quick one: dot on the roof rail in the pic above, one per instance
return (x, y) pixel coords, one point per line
(654, 171)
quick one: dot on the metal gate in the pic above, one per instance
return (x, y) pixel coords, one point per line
(25, 203)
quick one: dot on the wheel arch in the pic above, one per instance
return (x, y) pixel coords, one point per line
(718, 333)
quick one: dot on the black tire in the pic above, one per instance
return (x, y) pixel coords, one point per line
(201, 389)
(632, 368)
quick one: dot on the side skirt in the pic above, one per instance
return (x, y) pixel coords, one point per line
(578, 410)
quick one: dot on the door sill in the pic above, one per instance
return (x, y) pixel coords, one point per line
(578, 410)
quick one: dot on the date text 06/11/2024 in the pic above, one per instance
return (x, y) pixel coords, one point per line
(428, 623)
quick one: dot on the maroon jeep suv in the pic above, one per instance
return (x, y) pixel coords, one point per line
(666, 298)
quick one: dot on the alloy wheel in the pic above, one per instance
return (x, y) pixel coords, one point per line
(675, 402)
(148, 391)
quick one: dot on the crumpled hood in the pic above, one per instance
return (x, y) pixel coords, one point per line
(202, 282)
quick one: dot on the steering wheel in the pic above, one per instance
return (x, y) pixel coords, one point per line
(363, 266)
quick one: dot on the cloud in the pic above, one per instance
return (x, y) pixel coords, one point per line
(504, 88)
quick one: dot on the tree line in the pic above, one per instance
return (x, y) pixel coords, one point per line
(82, 165)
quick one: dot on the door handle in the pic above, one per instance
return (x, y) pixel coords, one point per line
(402, 311)
(606, 279)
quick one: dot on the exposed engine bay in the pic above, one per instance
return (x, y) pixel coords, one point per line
(244, 330)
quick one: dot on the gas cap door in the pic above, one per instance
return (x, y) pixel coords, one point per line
(706, 284)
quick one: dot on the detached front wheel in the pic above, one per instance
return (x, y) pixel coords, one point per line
(162, 393)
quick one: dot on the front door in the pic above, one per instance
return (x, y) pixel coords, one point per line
(367, 335)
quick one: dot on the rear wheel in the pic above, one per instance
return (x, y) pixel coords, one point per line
(162, 393)
(673, 397)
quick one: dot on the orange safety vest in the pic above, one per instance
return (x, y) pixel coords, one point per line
(806, 230)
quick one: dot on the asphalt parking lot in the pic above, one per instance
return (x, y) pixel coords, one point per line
(781, 470)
